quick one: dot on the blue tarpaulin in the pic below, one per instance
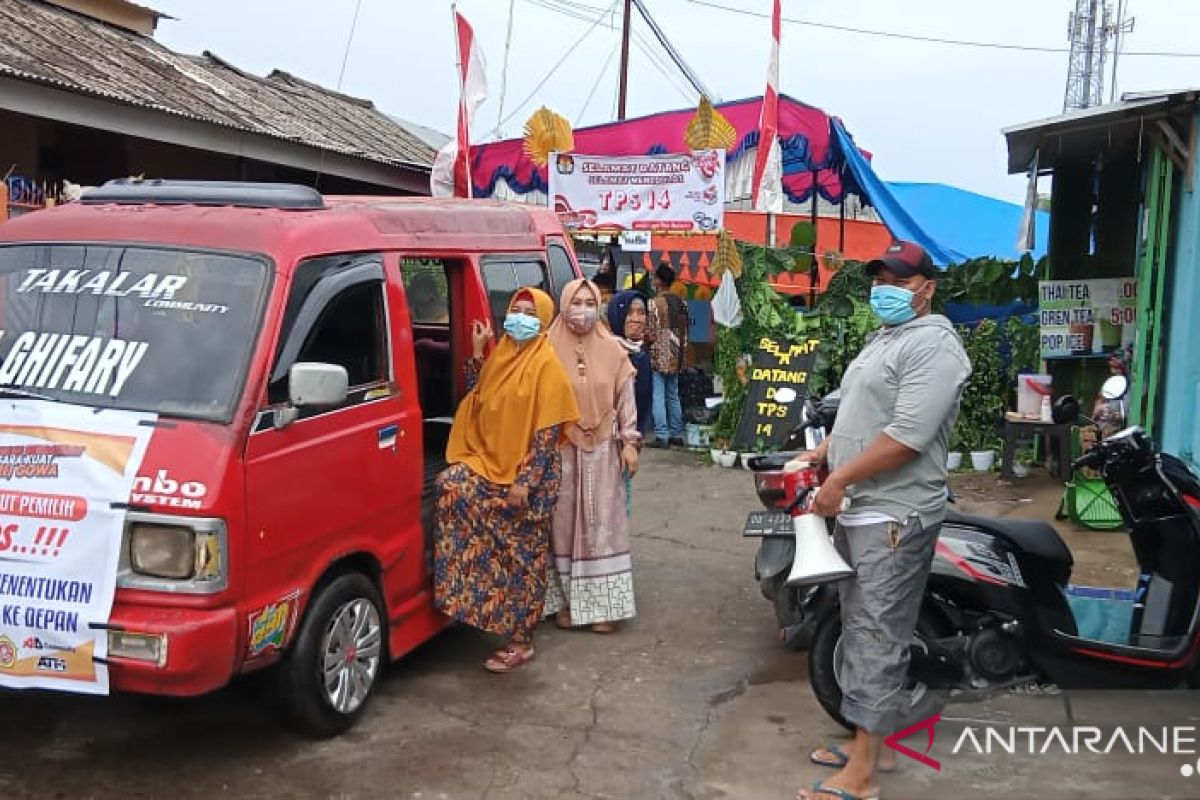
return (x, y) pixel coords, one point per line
(972, 224)
(893, 213)
(953, 225)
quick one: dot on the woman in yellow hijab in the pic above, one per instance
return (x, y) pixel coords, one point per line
(497, 498)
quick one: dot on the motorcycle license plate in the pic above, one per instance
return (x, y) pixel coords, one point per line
(768, 523)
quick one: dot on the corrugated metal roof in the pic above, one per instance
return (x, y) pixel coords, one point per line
(1088, 126)
(48, 45)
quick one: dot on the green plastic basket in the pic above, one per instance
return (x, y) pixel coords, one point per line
(1089, 503)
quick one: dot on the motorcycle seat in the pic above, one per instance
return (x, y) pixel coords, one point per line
(1034, 537)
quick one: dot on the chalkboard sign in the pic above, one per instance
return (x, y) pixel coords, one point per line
(766, 422)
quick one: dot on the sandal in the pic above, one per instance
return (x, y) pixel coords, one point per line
(839, 760)
(820, 790)
(604, 627)
(563, 619)
(508, 659)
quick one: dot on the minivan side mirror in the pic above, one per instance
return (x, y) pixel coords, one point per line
(312, 384)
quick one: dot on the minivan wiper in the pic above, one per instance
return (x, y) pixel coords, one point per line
(9, 391)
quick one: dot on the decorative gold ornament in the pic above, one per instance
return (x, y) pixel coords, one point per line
(726, 257)
(709, 130)
(546, 133)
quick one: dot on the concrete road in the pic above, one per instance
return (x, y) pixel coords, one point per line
(694, 699)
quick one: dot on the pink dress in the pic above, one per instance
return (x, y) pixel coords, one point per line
(591, 572)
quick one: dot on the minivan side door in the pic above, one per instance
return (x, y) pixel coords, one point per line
(331, 482)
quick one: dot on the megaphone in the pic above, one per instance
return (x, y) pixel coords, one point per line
(816, 559)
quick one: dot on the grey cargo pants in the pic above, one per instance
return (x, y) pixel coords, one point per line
(879, 606)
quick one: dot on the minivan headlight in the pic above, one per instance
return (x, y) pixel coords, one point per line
(162, 551)
(173, 554)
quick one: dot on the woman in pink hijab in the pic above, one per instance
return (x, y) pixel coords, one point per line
(591, 582)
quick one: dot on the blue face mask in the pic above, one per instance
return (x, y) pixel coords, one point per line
(892, 304)
(522, 327)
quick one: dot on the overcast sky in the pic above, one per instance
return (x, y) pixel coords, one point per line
(927, 112)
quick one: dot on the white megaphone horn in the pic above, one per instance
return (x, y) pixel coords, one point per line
(816, 559)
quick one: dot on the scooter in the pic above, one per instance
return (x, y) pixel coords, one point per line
(797, 609)
(996, 613)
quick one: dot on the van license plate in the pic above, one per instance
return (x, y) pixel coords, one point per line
(768, 523)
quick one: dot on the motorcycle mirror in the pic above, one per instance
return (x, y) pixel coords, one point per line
(1065, 409)
(1115, 387)
(785, 395)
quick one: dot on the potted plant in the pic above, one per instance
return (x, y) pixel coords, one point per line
(983, 455)
(760, 448)
(983, 397)
(722, 456)
(1022, 462)
(954, 456)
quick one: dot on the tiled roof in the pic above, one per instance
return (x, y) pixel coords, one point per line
(45, 44)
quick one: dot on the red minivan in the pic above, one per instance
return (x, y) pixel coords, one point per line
(304, 362)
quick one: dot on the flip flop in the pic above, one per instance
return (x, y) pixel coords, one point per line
(819, 788)
(839, 760)
(563, 620)
(508, 659)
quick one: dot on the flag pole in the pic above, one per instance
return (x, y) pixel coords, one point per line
(462, 90)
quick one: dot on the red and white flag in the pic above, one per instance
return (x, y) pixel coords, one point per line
(451, 175)
(766, 193)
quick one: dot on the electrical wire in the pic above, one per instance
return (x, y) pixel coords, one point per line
(349, 41)
(341, 75)
(647, 48)
(683, 66)
(930, 39)
(596, 85)
(553, 70)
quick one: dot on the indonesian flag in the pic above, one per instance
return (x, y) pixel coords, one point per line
(451, 175)
(767, 189)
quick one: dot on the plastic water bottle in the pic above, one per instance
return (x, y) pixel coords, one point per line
(1047, 412)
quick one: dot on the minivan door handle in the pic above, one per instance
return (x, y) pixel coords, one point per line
(388, 436)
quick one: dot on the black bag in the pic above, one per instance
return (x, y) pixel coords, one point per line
(694, 388)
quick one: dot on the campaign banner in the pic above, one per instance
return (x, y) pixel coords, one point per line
(778, 369)
(680, 192)
(1085, 317)
(66, 472)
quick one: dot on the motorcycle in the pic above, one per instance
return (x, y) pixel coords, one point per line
(797, 609)
(996, 613)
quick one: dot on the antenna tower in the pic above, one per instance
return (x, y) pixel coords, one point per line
(1089, 29)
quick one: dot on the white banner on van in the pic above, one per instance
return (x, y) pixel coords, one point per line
(681, 192)
(66, 472)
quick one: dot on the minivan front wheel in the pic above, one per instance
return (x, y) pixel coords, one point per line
(329, 674)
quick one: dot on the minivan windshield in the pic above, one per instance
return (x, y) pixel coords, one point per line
(134, 327)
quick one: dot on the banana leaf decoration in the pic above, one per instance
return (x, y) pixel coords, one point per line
(727, 257)
(709, 130)
(546, 133)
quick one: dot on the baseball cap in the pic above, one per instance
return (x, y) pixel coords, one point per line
(904, 259)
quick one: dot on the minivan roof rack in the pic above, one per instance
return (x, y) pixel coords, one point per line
(131, 191)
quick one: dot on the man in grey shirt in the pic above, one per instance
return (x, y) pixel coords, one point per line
(887, 457)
